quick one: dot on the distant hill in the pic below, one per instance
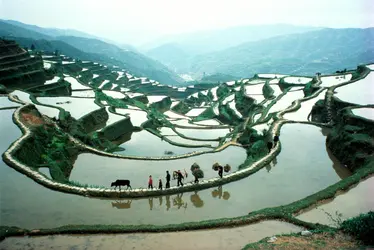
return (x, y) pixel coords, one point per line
(171, 55)
(136, 63)
(139, 64)
(324, 50)
(219, 77)
(54, 32)
(176, 51)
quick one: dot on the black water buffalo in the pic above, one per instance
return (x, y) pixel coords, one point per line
(119, 183)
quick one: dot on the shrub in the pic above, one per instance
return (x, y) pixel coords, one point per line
(361, 227)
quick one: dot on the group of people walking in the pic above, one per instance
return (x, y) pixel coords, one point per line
(270, 144)
(180, 177)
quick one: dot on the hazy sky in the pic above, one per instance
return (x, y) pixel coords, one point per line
(139, 20)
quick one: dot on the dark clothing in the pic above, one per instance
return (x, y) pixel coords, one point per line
(150, 185)
(220, 171)
(196, 180)
(276, 139)
(160, 185)
(180, 177)
(270, 145)
(167, 185)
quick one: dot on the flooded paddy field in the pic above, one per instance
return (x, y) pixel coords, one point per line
(360, 92)
(302, 166)
(234, 199)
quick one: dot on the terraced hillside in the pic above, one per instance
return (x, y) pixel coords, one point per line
(84, 125)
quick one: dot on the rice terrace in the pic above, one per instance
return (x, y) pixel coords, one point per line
(86, 147)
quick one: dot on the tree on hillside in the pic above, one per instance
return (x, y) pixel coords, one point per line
(32, 47)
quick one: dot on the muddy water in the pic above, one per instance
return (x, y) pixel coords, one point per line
(368, 113)
(99, 170)
(30, 205)
(352, 203)
(360, 92)
(146, 144)
(306, 107)
(227, 238)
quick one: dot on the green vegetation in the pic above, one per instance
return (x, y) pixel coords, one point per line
(360, 227)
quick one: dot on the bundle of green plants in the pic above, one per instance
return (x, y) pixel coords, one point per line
(215, 166)
(227, 168)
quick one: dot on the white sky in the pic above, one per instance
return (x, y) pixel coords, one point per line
(137, 21)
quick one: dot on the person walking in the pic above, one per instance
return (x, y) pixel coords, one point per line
(276, 139)
(167, 180)
(180, 177)
(160, 184)
(150, 182)
(220, 171)
(270, 145)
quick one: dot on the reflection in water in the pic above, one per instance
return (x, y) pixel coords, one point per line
(167, 202)
(150, 201)
(177, 200)
(122, 205)
(325, 131)
(196, 200)
(340, 169)
(274, 162)
(268, 167)
(218, 192)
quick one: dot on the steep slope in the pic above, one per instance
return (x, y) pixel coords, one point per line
(9, 30)
(136, 63)
(325, 51)
(171, 55)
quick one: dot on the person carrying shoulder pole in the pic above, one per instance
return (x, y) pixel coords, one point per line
(180, 177)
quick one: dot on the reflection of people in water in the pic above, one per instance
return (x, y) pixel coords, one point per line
(196, 200)
(218, 192)
(268, 167)
(160, 200)
(167, 202)
(274, 161)
(177, 201)
(150, 201)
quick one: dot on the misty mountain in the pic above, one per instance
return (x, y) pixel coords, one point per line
(171, 55)
(54, 32)
(324, 50)
(136, 63)
(176, 51)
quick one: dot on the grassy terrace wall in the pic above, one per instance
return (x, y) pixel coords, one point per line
(117, 129)
(285, 212)
(247, 168)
